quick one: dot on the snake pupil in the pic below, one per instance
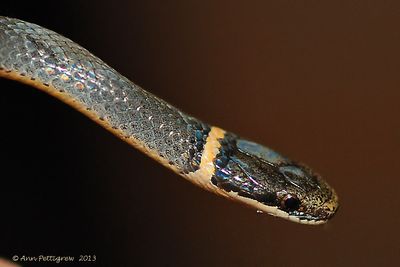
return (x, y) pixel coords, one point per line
(291, 203)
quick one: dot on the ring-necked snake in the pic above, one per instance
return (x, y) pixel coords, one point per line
(214, 159)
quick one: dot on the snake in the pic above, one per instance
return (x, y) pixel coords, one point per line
(217, 160)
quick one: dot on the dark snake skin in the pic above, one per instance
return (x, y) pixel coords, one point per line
(216, 160)
(55, 60)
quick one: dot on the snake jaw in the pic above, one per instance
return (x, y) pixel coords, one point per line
(311, 215)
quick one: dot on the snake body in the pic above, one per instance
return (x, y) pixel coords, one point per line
(212, 158)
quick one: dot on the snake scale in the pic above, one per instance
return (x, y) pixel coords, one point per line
(212, 158)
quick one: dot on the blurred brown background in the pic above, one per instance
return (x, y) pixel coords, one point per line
(314, 80)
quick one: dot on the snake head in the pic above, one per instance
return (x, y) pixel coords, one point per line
(271, 183)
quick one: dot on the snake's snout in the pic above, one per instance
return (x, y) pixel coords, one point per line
(323, 212)
(330, 207)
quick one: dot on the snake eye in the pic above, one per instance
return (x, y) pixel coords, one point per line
(290, 202)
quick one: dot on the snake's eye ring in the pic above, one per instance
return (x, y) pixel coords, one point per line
(290, 203)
